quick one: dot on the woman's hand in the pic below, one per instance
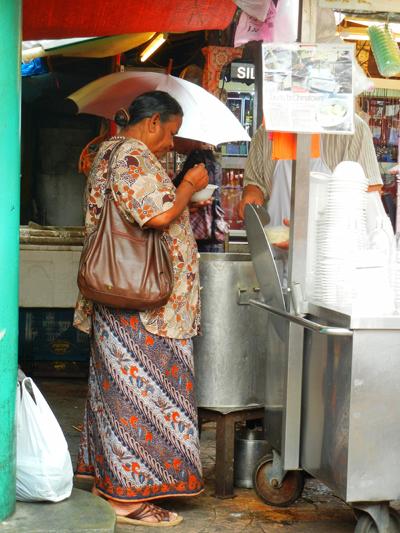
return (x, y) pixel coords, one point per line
(194, 180)
(197, 176)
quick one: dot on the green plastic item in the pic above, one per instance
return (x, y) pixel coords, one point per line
(385, 50)
(10, 91)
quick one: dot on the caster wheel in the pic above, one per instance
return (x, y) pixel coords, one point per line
(283, 496)
(365, 524)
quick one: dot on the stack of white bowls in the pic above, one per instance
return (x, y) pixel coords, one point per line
(317, 203)
(340, 232)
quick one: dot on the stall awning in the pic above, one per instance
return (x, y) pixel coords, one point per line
(54, 19)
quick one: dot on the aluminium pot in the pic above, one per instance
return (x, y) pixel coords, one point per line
(230, 353)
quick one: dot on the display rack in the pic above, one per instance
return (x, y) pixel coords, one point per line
(382, 111)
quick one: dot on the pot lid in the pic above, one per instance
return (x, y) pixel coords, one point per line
(256, 218)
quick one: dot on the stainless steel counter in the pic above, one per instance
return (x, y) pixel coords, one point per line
(352, 321)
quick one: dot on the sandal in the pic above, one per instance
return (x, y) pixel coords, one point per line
(147, 510)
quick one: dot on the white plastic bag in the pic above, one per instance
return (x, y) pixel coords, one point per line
(251, 29)
(44, 469)
(285, 21)
(326, 33)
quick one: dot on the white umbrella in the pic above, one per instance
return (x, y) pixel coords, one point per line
(205, 118)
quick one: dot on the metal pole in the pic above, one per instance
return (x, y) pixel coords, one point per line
(297, 267)
(10, 91)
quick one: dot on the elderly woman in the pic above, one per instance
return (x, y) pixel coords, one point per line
(140, 438)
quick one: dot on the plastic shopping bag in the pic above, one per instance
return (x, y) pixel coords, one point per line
(285, 21)
(44, 469)
(251, 29)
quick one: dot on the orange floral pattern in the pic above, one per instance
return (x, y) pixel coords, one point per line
(143, 190)
(139, 439)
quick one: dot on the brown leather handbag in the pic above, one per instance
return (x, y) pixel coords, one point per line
(122, 265)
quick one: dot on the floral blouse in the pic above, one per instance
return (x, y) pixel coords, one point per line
(143, 190)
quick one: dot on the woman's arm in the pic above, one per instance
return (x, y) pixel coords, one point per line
(194, 180)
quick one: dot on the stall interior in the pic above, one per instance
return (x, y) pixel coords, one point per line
(237, 84)
(381, 108)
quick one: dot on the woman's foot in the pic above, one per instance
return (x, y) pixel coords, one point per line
(144, 513)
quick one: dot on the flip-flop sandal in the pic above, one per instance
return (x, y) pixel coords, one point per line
(147, 510)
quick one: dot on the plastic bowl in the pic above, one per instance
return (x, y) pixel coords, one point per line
(204, 194)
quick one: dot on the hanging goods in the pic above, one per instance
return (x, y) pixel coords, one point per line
(43, 463)
(122, 265)
(385, 50)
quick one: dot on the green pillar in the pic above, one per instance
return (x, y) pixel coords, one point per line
(10, 95)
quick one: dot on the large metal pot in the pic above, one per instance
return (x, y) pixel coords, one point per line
(230, 354)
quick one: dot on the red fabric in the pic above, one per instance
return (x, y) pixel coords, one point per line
(55, 19)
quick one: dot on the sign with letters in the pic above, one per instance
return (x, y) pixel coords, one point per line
(242, 72)
(308, 88)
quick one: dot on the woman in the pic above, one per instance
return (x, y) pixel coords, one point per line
(140, 439)
(206, 218)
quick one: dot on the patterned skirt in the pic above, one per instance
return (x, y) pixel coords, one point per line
(140, 438)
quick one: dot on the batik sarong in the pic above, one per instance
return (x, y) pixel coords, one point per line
(140, 437)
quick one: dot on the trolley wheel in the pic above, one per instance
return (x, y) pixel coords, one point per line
(366, 524)
(283, 496)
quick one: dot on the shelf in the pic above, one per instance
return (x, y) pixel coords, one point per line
(233, 161)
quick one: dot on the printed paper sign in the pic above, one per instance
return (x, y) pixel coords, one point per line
(308, 88)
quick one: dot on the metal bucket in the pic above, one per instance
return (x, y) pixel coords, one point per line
(230, 353)
(250, 446)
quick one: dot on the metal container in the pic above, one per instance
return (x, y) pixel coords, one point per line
(230, 353)
(350, 435)
(250, 446)
(338, 420)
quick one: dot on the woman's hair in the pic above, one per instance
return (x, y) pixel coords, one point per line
(145, 105)
(194, 158)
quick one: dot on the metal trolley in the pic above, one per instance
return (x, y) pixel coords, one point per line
(332, 398)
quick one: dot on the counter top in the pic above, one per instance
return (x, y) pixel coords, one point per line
(334, 317)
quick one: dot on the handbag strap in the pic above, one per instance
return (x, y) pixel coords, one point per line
(107, 189)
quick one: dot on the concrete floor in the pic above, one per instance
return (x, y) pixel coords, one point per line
(318, 510)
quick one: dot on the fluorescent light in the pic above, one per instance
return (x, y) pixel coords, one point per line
(153, 46)
(359, 34)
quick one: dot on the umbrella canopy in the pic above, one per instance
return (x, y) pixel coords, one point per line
(205, 118)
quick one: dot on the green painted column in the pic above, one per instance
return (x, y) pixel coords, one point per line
(10, 95)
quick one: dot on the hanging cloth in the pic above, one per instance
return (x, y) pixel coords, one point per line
(284, 145)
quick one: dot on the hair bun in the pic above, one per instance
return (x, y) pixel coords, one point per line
(122, 117)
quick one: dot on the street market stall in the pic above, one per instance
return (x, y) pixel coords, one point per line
(56, 20)
(335, 330)
(335, 443)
